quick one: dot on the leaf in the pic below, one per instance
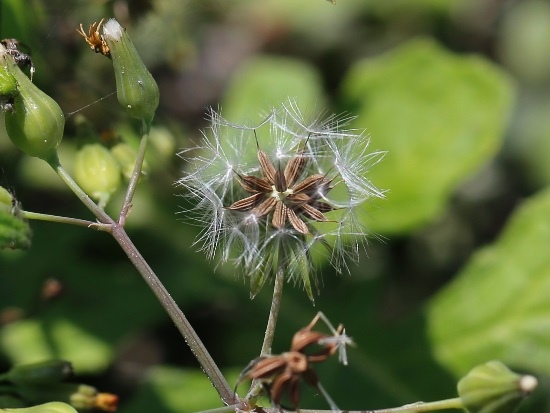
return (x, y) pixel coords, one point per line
(497, 308)
(440, 116)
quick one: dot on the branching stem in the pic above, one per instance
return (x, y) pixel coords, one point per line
(117, 230)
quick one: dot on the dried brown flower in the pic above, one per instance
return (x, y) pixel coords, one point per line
(283, 373)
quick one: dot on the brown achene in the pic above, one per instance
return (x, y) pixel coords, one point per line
(283, 373)
(279, 192)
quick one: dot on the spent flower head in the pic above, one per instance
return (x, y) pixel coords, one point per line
(267, 195)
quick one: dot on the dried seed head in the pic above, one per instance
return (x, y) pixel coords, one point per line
(269, 194)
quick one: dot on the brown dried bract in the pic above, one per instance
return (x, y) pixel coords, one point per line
(94, 39)
(282, 373)
(279, 193)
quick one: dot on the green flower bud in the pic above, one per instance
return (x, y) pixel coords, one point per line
(80, 396)
(494, 388)
(35, 125)
(51, 407)
(126, 158)
(137, 91)
(45, 372)
(97, 172)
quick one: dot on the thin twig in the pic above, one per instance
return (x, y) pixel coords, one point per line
(134, 179)
(417, 407)
(100, 214)
(274, 311)
(65, 220)
(190, 336)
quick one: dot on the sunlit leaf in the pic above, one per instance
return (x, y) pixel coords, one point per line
(498, 305)
(439, 115)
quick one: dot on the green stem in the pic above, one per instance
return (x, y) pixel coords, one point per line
(256, 388)
(191, 338)
(65, 220)
(274, 311)
(418, 407)
(224, 409)
(134, 179)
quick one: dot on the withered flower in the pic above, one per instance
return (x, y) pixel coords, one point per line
(270, 195)
(283, 373)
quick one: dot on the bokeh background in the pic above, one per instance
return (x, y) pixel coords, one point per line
(457, 270)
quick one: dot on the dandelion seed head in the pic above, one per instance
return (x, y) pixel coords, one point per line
(268, 195)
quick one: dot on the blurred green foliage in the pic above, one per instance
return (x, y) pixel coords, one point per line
(454, 274)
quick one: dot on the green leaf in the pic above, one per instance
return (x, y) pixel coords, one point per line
(14, 231)
(439, 115)
(498, 305)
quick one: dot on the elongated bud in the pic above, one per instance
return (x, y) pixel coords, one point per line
(137, 91)
(97, 172)
(494, 388)
(45, 372)
(35, 122)
(51, 407)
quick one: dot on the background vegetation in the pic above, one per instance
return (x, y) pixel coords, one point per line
(457, 271)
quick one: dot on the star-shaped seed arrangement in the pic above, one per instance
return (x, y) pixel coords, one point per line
(279, 192)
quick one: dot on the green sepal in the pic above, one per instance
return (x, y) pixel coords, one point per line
(494, 388)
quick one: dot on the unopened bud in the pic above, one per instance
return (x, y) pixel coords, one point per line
(126, 158)
(35, 121)
(45, 372)
(97, 172)
(137, 91)
(494, 388)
